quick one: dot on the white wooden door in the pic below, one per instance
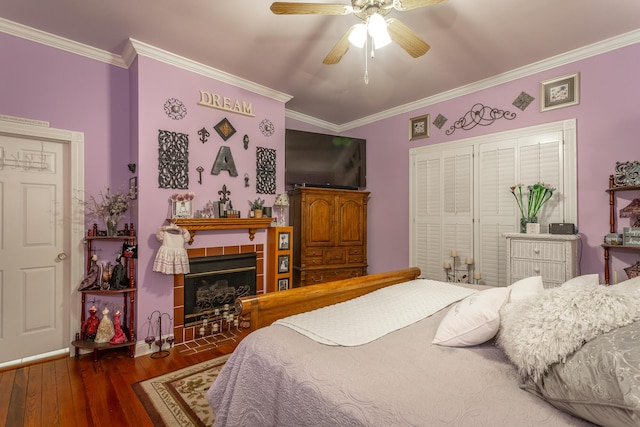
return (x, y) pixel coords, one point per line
(35, 245)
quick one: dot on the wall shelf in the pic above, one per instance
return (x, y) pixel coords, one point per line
(204, 224)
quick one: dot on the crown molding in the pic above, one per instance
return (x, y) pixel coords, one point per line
(290, 114)
(585, 52)
(133, 48)
(61, 43)
(136, 47)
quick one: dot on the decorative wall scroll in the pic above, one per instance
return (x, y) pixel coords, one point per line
(439, 121)
(480, 115)
(173, 159)
(175, 109)
(225, 129)
(523, 100)
(560, 92)
(265, 170)
(204, 135)
(266, 127)
(224, 161)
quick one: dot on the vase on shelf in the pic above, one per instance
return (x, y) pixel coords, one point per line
(111, 224)
(527, 220)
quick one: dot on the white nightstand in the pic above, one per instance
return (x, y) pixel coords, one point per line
(552, 256)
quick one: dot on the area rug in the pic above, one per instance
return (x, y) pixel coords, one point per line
(179, 397)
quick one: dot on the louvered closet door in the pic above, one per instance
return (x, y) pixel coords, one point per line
(443, 209)
(427, 228)
(496, 207)
(502, 164)
(446, 214)
(541, 160)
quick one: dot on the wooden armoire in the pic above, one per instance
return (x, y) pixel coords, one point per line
(329, 234)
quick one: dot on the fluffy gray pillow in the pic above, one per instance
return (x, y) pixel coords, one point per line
(537, 332)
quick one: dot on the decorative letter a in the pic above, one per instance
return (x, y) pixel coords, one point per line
(224, 161)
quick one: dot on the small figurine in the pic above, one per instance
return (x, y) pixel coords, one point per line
(90, 325)
(105, 329)
(118, 279)
(118, 336)
(94, 276)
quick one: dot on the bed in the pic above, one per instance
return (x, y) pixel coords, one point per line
(279, 376)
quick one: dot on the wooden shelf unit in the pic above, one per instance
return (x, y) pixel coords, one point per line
(612, 226)
(128, 294)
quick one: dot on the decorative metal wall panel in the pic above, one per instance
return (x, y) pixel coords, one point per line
(173, 159)
(265, 170)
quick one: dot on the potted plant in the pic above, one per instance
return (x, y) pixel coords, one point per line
(256, 207)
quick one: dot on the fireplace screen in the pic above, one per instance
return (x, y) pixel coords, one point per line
(214, 283)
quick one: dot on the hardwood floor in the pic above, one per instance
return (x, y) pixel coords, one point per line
(79, 392)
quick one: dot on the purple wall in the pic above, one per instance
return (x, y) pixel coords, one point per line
(607, 127)
(120, 112)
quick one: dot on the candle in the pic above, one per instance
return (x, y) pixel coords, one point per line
(204, 322)
(226, 307)
(215, 327)
(476, 275)
(447, 265)
(216, 312)
(454, 253)
(469, 261)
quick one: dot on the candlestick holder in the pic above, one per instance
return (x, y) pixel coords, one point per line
(454, 274)
(160, 340)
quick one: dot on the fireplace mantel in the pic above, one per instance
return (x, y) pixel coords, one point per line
(204, 224)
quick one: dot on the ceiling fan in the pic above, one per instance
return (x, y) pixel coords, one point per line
(372, 13)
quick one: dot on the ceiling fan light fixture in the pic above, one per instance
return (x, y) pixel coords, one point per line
(378, 31)
(358, 35)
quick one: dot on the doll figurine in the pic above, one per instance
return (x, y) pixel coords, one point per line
(118, 336)
(105, 328)
(90, 325)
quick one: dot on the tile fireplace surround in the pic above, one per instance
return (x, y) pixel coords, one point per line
(186, 341)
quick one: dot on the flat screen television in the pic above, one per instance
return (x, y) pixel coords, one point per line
(322, 160)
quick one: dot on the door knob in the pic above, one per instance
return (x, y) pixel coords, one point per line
(62, 256)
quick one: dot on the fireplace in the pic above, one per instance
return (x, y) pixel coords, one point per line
(215, 282)
(188, 338)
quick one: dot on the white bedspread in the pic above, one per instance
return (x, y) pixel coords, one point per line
(361, 320)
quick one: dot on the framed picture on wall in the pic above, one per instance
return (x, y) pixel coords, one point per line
(283, 284)
(283, 241)
(560, 92)
(283, 264)
(419, 127)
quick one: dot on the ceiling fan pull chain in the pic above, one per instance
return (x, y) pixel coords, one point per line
(366, 62)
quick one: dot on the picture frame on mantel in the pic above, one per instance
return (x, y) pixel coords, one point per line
(419, 127)
(560, 92)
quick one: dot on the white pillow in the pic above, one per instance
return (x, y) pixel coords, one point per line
(473, 320)
(587, 279)
(525, 288)
(631, 286)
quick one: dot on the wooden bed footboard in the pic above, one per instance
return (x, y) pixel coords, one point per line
(265, 309)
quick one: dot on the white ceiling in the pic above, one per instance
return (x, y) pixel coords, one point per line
(471, 40)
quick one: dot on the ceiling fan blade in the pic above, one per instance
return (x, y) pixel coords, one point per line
(340, 49)
(406, 38)
(284, 8)
(413, 4)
